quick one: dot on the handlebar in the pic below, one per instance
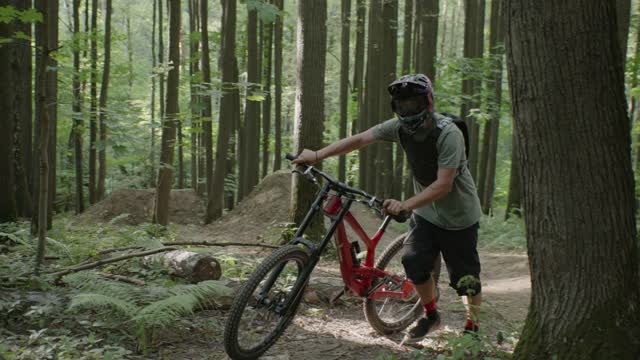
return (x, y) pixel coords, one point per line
(312, 171)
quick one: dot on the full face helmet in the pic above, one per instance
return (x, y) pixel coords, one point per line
(411, 100)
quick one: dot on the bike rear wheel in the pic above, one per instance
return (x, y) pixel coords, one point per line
(259, 315)
(388, 315)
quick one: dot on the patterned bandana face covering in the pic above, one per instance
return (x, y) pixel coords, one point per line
(412, 123)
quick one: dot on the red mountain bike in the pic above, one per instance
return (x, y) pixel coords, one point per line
(269, 299)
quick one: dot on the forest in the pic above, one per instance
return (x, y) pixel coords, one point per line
(145, 184)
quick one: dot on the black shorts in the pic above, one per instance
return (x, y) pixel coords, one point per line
(459, 250)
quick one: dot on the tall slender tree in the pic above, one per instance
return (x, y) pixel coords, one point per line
(104, 91)
(52, 105)
(93, 132)
(267, 49)
(207, 133)
(471, 84)
(229, 106)
(152, 127)
(358, 65)
(78, 123)
(426, 30)
(309, 108)
(277, 82)
(165, 174)
(194, 68)
(345, 20)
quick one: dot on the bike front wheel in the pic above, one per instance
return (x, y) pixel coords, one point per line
(388, 315)
(266, 304)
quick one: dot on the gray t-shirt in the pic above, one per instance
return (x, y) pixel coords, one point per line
(461, 207)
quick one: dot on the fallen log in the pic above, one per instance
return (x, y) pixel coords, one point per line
(124, 279)
(194, 267)
(206, 243)
(108, 261)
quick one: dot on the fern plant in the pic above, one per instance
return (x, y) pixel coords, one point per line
(143, 310)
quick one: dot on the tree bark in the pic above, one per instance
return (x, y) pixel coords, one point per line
(471, 85)
(345, 16)
(207, 133)
(514, 199)
(104, 91)
(78, 123)
(277, 80)
(46, 8)
(427, 37)
(385, 170)
(152, 128)
(266, 103)
(578, 182)
(623, 16)
(93, 198)
(194, 57)
(229, 106)
(358, 70)
(194, 267)
(309, 106)
(8, 94)
(165, 174)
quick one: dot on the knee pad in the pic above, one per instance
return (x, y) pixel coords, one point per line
(467, 285)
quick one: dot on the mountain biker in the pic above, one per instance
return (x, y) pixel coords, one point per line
(446, 207)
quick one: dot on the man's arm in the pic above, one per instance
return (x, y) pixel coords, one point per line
(339, 147)
(436, 191)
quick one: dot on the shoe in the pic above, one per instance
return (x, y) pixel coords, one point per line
(423, 327)
(471, 330)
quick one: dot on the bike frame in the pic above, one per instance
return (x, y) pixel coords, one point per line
(358, 278)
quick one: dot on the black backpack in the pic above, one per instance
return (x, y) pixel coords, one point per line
(463, 127)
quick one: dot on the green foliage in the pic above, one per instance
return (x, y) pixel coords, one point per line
(497, 234)
(9, 14)
(142, 310)
(267, 13)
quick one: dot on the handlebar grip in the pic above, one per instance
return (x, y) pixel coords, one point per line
(290, 157)
(402, 217)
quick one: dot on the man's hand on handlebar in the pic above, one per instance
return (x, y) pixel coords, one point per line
(394, 207)
(307, 156)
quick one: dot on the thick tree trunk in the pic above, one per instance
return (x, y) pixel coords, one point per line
(78, 123)
(344, 81)
(471, 86)
(427, 37)
(165, 174)
(309, 108)
(52, 106)
(207, 132)
(104, 91)
(194, 267)
(229, 106)
(514, 199)
(277, 80)
(578, 183)
(162, 94)
(94, 103)
(357, 124)
(623, 16)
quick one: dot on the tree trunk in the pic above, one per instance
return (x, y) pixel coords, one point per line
(277, 79)
(93, 198)
(78, 123)
(427, 37)
(194, 60)
(45, 6)
(161, 63)
(623, 16)
(369, 115)
(344, 81)
(8, 94)
(152, 134)
(129, 55)
(385, 170)
(206, 98)
(165, 174)
(578, 194)
(309, 108)
(267, 50)
(104, 90)
(194, 267)
(496, 44)
(471, 85)
(228, 107)
(251, 124)
(357, 124)
(52, 106)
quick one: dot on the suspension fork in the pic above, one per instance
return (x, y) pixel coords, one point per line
(301, 282)
(297, 239)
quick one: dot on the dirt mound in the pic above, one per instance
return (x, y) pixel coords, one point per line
(258, 216)
(132, 207)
